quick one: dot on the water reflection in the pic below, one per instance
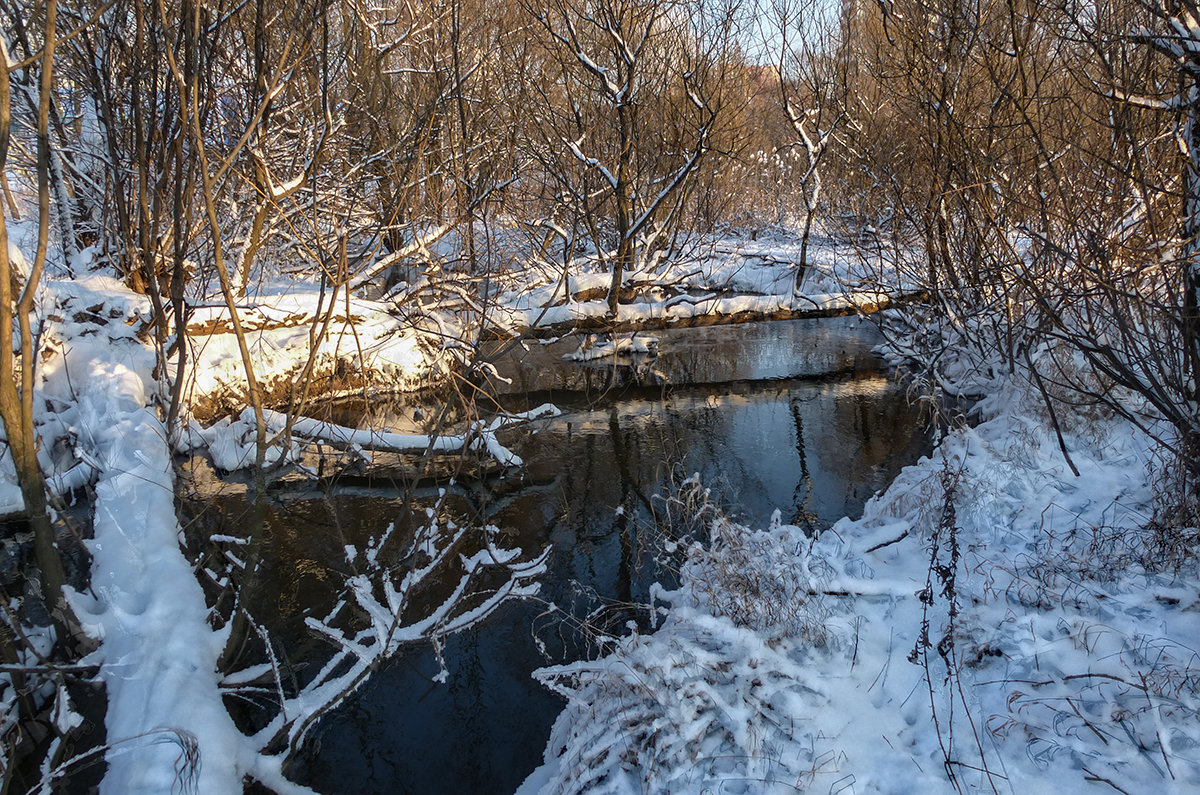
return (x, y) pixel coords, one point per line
(815, 449)
(698, 356)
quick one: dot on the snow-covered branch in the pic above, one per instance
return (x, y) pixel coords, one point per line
(386, 604)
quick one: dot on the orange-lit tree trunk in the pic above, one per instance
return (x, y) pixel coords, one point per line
(16, 401)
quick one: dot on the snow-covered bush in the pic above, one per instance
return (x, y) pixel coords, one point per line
(719, 692)
(764, 580)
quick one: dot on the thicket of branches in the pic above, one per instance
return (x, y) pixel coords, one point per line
(1040, 158)
(1032, 165)
(333, 134)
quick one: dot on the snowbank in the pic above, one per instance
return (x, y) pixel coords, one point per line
(158, 653)
(364, 342)
(992, 623)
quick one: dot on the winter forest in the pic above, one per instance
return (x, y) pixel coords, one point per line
(605, 396)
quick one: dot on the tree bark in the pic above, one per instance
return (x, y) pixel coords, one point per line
(16, 404)
(1190, 433)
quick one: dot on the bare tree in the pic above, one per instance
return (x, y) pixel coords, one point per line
(1043, 158)
(812, 77)
(17, 399)
(607, 62)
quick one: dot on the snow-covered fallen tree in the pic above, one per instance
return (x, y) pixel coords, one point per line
(375, 620)
(231, 443)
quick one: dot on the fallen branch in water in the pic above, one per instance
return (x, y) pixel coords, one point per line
(478, 436)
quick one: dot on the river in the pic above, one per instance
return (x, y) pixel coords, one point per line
(794, 416)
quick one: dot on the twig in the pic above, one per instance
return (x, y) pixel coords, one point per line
(1049, 403)
(49, 669)
(1086, 722)
(1100, 779)
(895, 540)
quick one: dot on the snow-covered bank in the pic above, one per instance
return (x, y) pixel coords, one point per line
(723, 280)
(422, 330)
(158, 652)
(356, 344)
(686, 310)
(992, 623)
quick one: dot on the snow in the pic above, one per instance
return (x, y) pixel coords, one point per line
(231, 444)
(720, 277)
(782, 662)
(593, 347)
(158, 653)
(1052, 644)
(363, 337)
(480, 435)
(686, 307)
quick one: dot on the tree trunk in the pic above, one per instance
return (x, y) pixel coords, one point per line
(626, 249)
(1190, 232)
(16, 404)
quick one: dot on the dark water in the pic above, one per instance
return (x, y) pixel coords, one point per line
(790, 416)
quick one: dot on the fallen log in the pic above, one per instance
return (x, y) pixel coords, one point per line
(480, 436)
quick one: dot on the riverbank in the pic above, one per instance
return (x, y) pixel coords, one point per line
(423, 333)
(993, 622)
